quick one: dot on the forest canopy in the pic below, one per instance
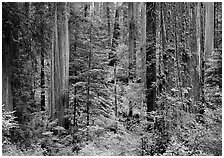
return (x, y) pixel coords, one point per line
(112, 78)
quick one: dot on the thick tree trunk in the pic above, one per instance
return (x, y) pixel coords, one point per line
(29, 50)
(60, 63)
(131, 57)
(208, 43)
(209, 33)
(143, 50)
(194, 47)
(163, 42)
(209, 29)
(9, 52)
(151, 56)
(8, 48)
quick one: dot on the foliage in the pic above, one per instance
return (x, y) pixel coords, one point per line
(85, 53)
(41, 137)
(8, 121)
(214, 80)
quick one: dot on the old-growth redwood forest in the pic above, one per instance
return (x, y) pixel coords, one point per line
(112, 78)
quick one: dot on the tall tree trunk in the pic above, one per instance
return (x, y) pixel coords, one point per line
(60, 63)
(209, 33)
(143, 41)
(9, 52)
(52, 109)
(177, 65)
(132, 41)
(163, 42)
(8, 48)
(194, 47)
(121, 23)
(131, 57)
(143, 48)
(65, 52)
(42, 76)
(29, 49)
(198, 36)
(88, 80)
(115, 41)
(108, 23)
(177, 50)
(209, 29)
(75, 90)
(151, 56)
(202, 81)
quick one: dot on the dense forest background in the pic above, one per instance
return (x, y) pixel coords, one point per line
(106, 78)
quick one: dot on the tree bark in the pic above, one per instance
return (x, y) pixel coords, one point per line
(115, 41)
(131, 56)
(8, 48)
(75, 88)
(108, 23)
(29, 50)
(9, 52)
(163, 42)
(88, 80)
(208, 42)
(198, 37)
(60, 63)
(209, 29)
(42, 75)
(143, 43)
(132, 37)
(151, 56)
(202, 81)
(88, 84)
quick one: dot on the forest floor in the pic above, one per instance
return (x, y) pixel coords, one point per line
(116, 137)
(121, 142)
(113, 145)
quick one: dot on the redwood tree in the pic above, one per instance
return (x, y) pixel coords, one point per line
(10, 26)
(150, 56)
(60, 63)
